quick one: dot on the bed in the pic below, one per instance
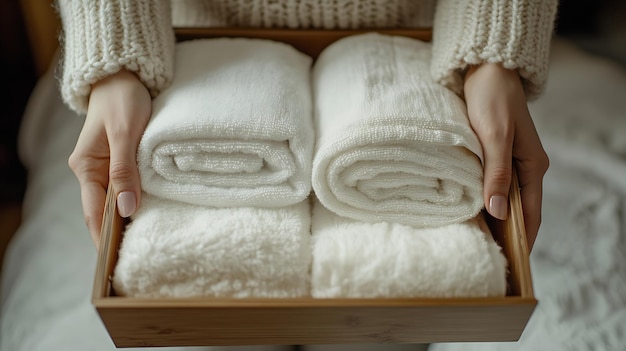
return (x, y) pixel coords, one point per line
(578, 263)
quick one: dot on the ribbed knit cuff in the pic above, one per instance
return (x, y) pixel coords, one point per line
(515, 33)
(101, 37)
(326, 14)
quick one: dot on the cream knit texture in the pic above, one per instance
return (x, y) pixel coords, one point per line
(326, 14)
(515, 33)
(101, 37)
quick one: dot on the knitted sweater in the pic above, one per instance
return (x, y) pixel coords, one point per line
(100, 37)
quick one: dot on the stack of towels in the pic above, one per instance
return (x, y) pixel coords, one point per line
(266, 174)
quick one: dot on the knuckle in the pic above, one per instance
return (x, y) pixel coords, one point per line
(76, 163)
(120, 171)
(500, 175)
(538, 165)
(543, 163)
(72, 162)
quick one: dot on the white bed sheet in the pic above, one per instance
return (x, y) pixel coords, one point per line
(578, 264)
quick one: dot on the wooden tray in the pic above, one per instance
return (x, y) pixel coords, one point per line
(136, 322)
(311, 42)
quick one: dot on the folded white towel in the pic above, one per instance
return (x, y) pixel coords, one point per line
(392, 145)
(174, 249)
(234, 128)
(356, 259)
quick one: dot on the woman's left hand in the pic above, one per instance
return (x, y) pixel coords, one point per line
(499, 115)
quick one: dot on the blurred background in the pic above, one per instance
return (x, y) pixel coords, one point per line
(597, 26)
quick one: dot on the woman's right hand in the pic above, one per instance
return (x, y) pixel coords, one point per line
(498, 112)
(119, 110)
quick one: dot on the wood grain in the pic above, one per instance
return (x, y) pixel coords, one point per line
(110, 238)
(185, 323)
(309, 41)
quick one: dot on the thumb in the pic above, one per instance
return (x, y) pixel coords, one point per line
(497, 176)
(124, 176)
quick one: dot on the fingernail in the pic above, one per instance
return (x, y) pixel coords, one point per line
(126, 203)
(498, 206)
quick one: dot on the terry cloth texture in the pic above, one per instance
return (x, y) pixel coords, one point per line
(234, 128)
(356, 259)
(174, 249)
(392, 145)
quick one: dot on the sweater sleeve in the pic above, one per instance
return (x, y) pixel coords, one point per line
(101, 37)
(515, 33)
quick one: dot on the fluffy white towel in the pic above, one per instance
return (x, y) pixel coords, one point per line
(174, 249)
(357, 259)
(234, 128)
(392, 145)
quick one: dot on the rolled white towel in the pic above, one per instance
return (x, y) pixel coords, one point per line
(174, 249)
(234, 128)
(392, 145)
(356, 259)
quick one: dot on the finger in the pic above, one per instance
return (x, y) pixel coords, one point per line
(497, 149)
(92, 182)
(531, 194)
(123, 173)
(93, 196)
(532, 165)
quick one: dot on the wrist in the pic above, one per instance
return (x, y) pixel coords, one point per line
(491, 69)
(123, 88)
(121, 76)
(492, 75)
